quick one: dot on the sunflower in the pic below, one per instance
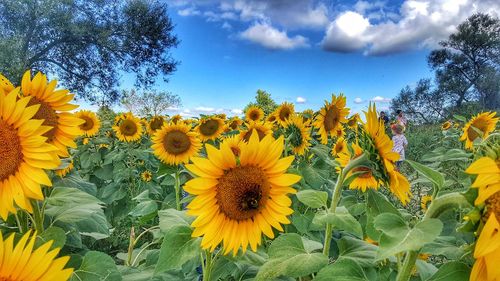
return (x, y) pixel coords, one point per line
(63, 172)
(283, 112)
(307, 115)
(85, 141)
(222, 116)
(340, 146)
(103, 145)
(238, 199)
(5, 85)
(146, 176)
(233, 142)
(365, 178)
(263, 129)
(484, 123)
(128, 128)
(22, 262)
(175, 119)
(254, 113)
(91, 125)
(210, 128)
(54, 110)
(234, 123)
(488, 177)
(155, 124)
(487, 251)
(24, 153)
(330, 117)
(175, 144)
(446, 125)
(352, 122)
(271, 118)
(424, 201)
(339, 132)
(298, 134)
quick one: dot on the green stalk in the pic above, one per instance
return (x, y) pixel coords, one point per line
(131, 244)
(207, 269)
(177, 188)
(404, 273)
(37, 217)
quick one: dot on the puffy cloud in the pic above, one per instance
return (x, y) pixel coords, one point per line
(300, 100)
(205, 109)
(358, 100)
(380, 99)
(421, 24)
(191, 11)
(271, 38)
(227, 26)
(236, 111)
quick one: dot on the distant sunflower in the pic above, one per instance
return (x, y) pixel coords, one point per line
(254, 113)
(175, 144)
(128, 128)
(340, 146)
(365, 178)
(483, 122)
(263, 129)
(222, 116)
(424, 201)
(298, 133)
(307, 115)
(352, 122)
(234, 123)
(175, 119)
(240, 198)
(155, 124)
(54, 110)
(24, 154)
(271, 118)
(103, 145)
(488, 177)
(21, 262)
(283, 112)
(5, 85)
(330, 117)
(146, 176)
(91, 125)
(233, 142)
(446, 125)
(85, 141)
(63, 172)
(339, 132)
(210, 128)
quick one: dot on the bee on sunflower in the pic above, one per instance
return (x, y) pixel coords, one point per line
(175, 144)
(262, 128)
(24, 261)
(24, 154)
(146, 176)
(91, 125)
(330, 118)
(283, 112)
(128, 128)
(155, 124)
(480, 126)
(298, 134)
(241, 196)
(254, 113)
(54, 110)
(210, 128)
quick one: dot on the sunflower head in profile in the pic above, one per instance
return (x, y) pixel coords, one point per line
(425, 201)
(234, 123)
(175, 144)
(5, 85)
(446, 125)
(241, 196)
(175, 119)
(271, 118)
(24, 261)
(298, 134)
(91, 125)
(261, 128)
(146, 176)
(222, 116)
(233, 142)
(24, 154)
(63, 172)
(128, 128)
(330, 117)
(307, 115)
(210, 128)
(254, 113)
(339, 147)
(480, 126)
(365, 177)
(54, 110)
(155, 124)
(353, 121)
(283, 112)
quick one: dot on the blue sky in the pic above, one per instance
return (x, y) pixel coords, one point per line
(302, 51)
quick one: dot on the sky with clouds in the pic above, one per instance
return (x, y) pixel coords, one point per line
(301, 51)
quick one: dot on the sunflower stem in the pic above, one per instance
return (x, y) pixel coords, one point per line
(207, 269)
(404, 273)
(37, 217)
(177, 188)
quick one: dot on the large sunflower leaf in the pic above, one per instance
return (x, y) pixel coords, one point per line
(342, 270)
(178, 247)
(97, 266)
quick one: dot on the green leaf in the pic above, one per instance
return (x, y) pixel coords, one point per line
(425, 269)
(460, 118)
(170, 218)
(71, 205)
(377, 204)
(311, 176)
(398, 237)
(97, 266)
(144, 208)
(53, 233)
(313, 198)
(452, 271)
(105, 172)
(342, 270)
(359, 251)
(444, 246)
(341, 220)
(178, 247)
(292, 255)
(435, 177)
(76, 181)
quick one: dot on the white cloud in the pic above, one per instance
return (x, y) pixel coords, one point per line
(271, 38)
(380, 99)
(358, 100)
(227, 26)
(236, 111)
(421, 24)
(204, 109)
(300, 100)
(191, 11)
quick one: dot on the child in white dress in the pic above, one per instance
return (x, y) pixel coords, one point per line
(400, 143)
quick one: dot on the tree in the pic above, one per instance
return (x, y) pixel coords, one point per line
(264, 101)
(86, 44)
(467, 67)
(149, 103)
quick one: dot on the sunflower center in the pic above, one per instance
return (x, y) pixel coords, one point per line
(176, 142)
(364, 172)
(351, 122)
(11, 154)
(49, 116)
(248, 134)
(242, 192)
(89, 123)
(331, 118)
(493, 206)
(209, 127)
(254, 115)
(156, 124)
(472, 133)
(271, 118)
(339, 147)
(128, 128)
(234, 125)
(285, 113)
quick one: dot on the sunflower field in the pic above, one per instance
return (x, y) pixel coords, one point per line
(312, 195)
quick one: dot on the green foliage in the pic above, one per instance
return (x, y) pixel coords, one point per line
(264, 101)
(96, 266)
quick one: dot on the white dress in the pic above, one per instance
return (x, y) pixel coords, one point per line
(399, 145)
